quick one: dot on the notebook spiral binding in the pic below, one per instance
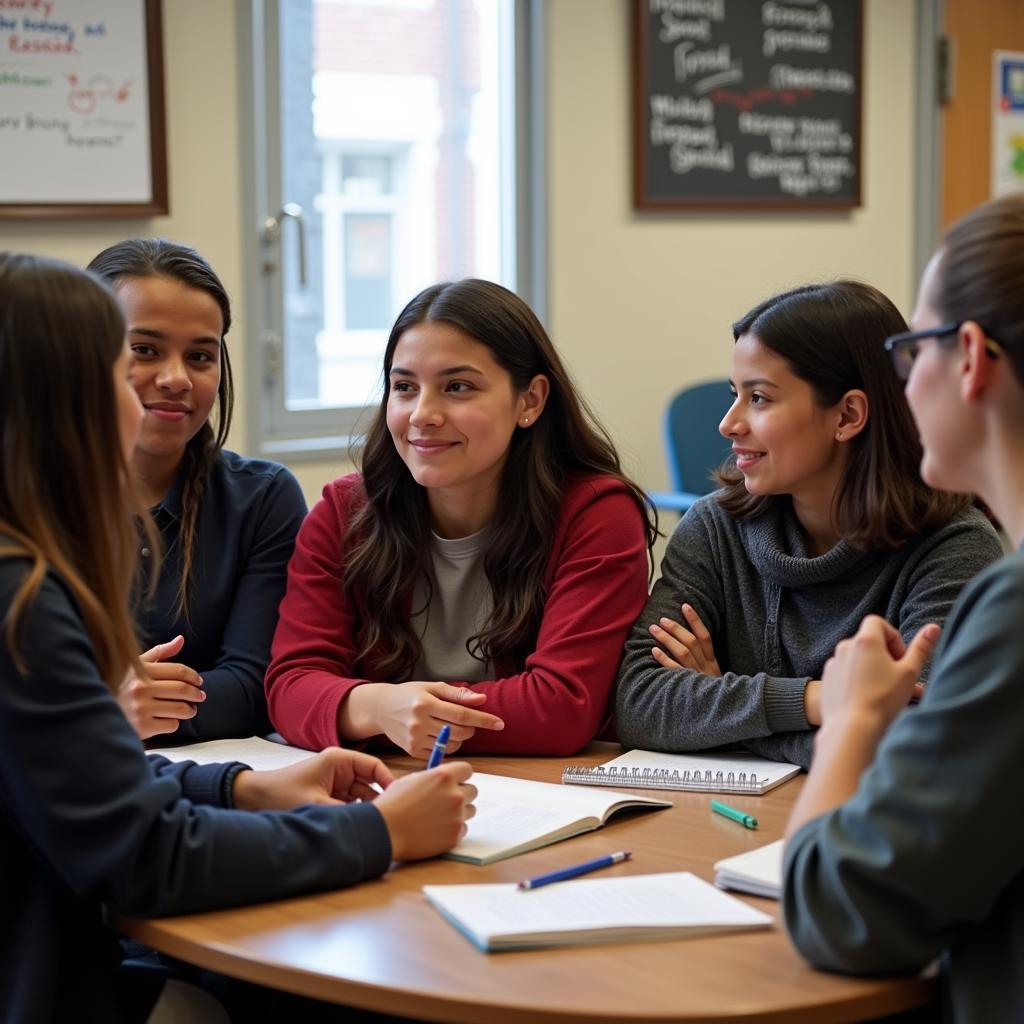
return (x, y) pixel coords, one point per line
(663, 778)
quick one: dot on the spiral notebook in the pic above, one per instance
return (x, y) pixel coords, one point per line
(647, 769)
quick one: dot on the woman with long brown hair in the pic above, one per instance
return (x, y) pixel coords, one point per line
(905, 844)
(822, 517)
(227, 523)
(483, 570)
(87, 820)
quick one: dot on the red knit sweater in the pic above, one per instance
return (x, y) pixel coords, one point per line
(596, 584)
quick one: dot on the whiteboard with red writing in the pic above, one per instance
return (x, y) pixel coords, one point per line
(81, 108)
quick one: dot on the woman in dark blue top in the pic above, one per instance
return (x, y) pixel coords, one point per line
(227, 523)
(87, 821)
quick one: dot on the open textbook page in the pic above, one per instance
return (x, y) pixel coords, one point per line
(517, 815)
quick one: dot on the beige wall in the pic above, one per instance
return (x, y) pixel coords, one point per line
(639, 304)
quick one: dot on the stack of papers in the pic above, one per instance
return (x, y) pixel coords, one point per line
(261, 754)
(757, 871)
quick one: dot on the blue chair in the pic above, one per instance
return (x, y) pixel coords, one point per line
(693, 445)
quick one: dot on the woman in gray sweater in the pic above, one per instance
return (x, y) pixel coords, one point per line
(822, 519)
(905, 843)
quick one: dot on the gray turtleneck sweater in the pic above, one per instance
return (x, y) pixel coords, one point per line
(775, 616)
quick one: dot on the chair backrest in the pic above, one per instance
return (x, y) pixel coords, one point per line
(693, 445)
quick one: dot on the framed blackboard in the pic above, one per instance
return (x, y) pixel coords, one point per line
(82, 109)
(747, 104)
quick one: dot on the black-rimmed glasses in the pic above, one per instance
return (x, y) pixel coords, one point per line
(904, 348)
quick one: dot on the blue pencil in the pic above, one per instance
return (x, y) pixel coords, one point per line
(575, 872)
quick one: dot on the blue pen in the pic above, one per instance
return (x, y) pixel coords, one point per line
(579, 869)
(440, 745)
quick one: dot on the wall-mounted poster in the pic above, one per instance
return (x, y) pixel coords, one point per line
(747, 104)
(81, 109)
(1007, 122)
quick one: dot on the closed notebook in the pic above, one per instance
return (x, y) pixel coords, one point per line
(646, 769)
(673, 905)
(757, 871)
(517, 815)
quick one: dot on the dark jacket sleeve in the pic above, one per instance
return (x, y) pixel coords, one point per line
(930, 842)
(236, 704)
(79, 791)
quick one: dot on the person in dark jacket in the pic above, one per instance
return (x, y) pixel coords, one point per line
(87, 820)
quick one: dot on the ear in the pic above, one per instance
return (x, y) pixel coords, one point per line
(533, 399)
(977, 366)
(852, 412)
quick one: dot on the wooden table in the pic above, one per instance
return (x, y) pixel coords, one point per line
(382, 947)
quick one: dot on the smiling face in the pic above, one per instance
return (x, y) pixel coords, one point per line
(452, 410)
(174, 332)
(784, 441)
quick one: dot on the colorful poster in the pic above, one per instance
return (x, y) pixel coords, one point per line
(1007, 122)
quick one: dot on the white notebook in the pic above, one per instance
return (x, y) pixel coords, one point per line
(264, 755)
(756, 871)
(673, 905)
(517, 815)
(647, 769)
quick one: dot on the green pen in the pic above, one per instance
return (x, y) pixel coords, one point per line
(746, 820)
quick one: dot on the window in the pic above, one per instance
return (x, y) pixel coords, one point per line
(389, 139)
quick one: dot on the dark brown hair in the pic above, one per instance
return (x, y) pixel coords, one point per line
(389, 536)
(831, 336)
(980, 273)
(158, 257)
(66, 497)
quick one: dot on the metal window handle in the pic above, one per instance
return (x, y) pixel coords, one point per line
(272, 233)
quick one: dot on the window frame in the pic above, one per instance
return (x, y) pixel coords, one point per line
(296, 435)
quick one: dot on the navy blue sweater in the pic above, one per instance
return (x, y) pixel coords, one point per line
(249, 514)
(87, 821)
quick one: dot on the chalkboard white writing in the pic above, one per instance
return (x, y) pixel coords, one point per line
(744, 103)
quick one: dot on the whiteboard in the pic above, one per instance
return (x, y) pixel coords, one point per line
(81, 108)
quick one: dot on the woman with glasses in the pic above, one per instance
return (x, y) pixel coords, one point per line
(905, 844)
(822, 518)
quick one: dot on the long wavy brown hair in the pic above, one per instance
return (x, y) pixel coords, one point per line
(158, 257)
(387, 545)
(831, 336)
(66, 496)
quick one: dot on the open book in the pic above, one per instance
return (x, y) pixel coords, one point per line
(736, 772)
(516, 815)
(499, 917)
(261, 754)
(756, 871)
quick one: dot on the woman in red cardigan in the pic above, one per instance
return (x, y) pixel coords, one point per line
(484, 569)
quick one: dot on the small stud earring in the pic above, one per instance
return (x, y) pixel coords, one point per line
(526, 419)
